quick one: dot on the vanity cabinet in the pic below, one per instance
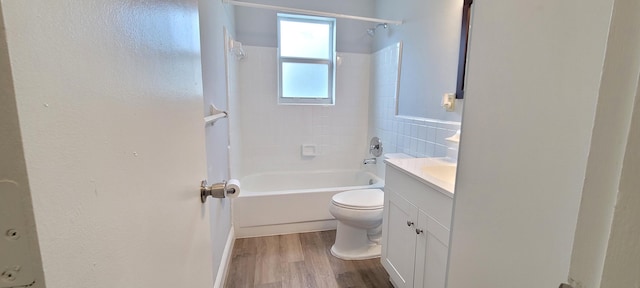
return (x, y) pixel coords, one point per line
(415, 237)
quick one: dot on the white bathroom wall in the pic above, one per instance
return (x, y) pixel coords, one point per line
(418, 137)
(533, 82)
(273, 134)
(622, 262)
(257, 27)
(233, 109)
(602, 182)
(219, 88)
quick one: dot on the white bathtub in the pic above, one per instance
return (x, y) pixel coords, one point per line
(293, 202)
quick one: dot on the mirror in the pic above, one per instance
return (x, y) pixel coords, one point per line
(430, 54)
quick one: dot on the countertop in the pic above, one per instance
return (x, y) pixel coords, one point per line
(439, 173)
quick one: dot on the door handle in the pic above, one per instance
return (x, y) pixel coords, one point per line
(218, 190)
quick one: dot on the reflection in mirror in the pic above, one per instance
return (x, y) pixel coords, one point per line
(431, 44)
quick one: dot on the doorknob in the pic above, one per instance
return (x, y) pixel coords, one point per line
(225, 189)
(215, 190)
(419, 231)
(409, 223)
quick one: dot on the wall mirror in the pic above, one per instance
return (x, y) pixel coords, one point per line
(434, 37)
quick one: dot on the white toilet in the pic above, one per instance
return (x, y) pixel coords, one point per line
(359, 215)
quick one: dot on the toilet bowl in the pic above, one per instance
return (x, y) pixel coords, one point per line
(359, 215)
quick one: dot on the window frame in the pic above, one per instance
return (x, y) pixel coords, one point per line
(330, 61)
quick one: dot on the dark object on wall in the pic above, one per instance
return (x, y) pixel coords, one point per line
(464, 43)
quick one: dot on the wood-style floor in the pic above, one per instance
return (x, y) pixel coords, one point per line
(299, 260)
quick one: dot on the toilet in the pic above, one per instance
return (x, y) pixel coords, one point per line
(359, 215)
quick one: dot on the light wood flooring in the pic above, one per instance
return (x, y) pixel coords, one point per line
(299, 260)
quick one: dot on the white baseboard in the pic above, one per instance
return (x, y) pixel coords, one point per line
(289, 228)
(221, 277)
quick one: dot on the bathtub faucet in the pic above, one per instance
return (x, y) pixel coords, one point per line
(370, 161)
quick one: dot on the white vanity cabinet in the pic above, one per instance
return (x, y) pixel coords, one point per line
(415, 233)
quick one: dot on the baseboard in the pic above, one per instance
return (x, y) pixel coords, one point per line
(289, 228)
(221, 277)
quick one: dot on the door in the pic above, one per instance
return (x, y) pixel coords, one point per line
(20, 263)
(432, 250)
(109, 98)
(399, 245)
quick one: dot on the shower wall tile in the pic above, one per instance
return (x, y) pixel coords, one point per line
(272, 134)
(417, 137)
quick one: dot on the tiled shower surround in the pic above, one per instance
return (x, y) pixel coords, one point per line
(272, 134)
(417, 137)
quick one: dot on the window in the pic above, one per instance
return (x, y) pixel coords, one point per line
(306, 53)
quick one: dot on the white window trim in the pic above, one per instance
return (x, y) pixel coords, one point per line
(330, 62)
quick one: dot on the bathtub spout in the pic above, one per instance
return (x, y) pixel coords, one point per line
(370, 161)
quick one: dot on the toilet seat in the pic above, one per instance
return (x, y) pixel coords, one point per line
(364, 199)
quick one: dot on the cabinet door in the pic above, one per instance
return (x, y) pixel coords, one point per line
(399, 239)
(431, 252)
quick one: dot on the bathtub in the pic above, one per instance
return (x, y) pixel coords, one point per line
(293, 202)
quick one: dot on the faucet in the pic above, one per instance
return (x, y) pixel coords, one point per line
(370, 161)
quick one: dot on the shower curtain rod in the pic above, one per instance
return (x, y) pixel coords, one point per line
(310, 12)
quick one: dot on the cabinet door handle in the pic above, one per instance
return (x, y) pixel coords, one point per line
(409, 223)
(419, 231)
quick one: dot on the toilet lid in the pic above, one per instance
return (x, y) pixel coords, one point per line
(364, 199)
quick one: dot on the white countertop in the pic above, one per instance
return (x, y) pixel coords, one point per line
(439, 173)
